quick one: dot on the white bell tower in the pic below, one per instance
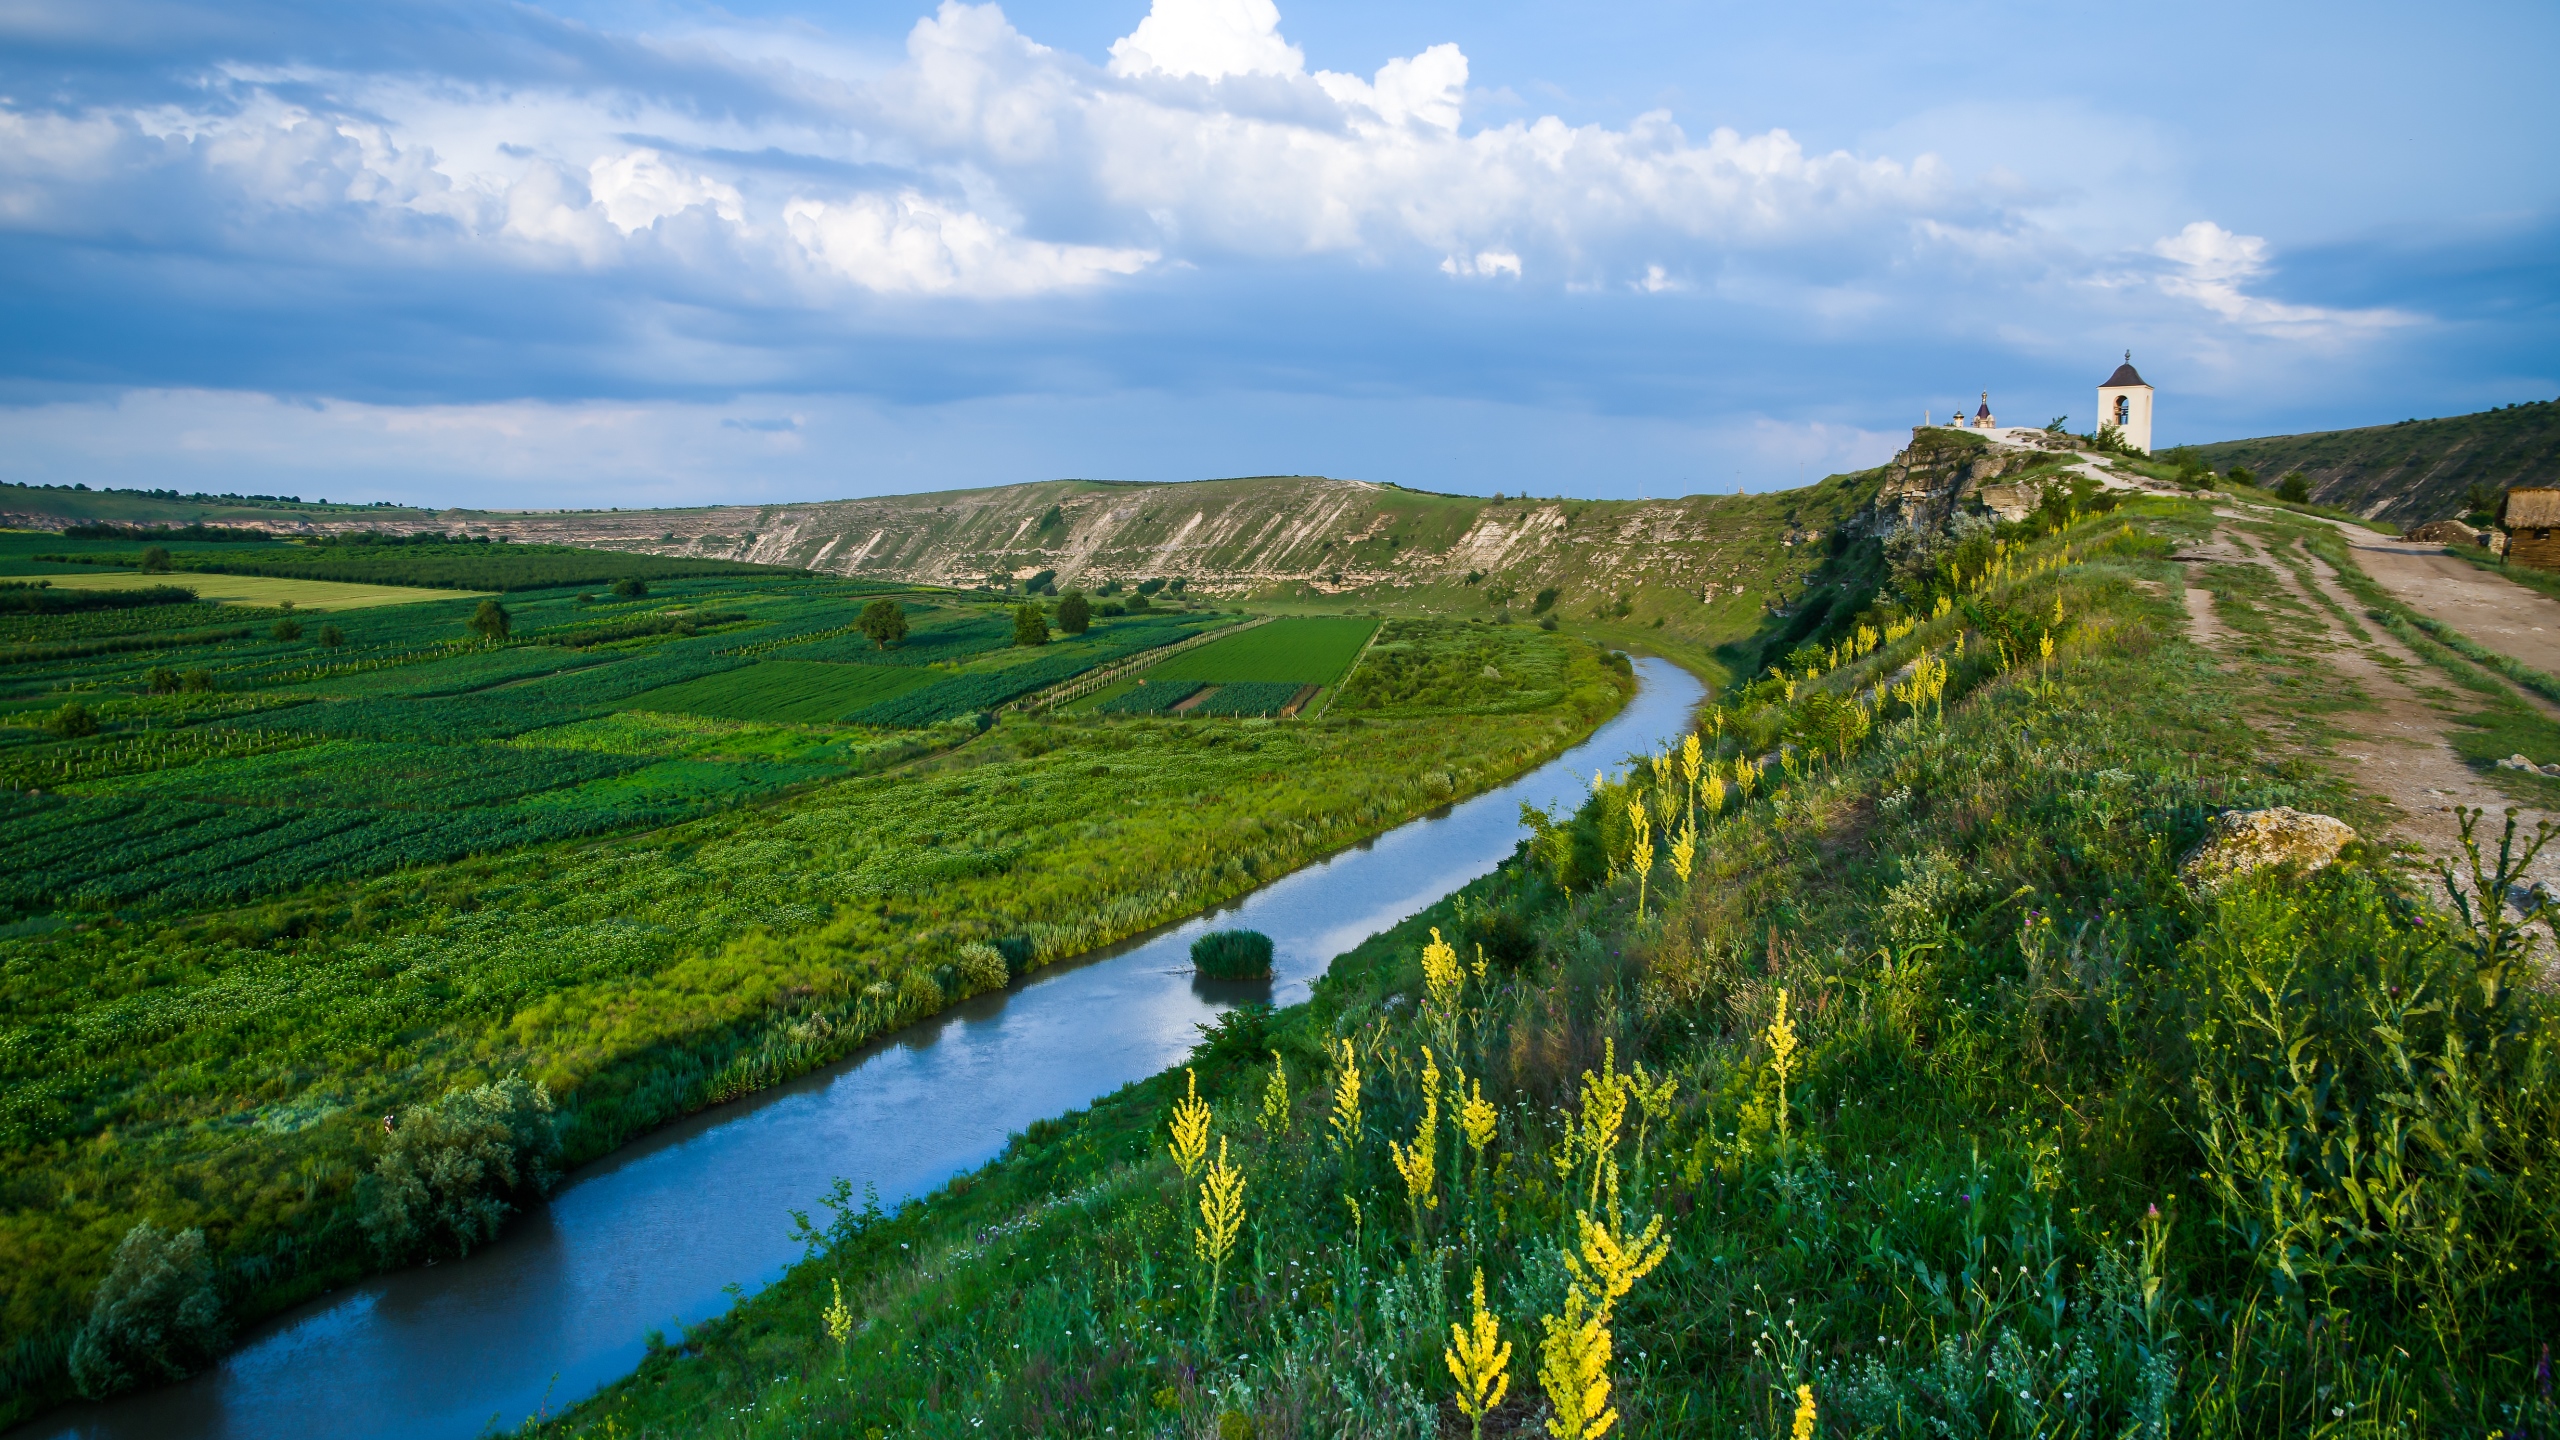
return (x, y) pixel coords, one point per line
(2124, 401)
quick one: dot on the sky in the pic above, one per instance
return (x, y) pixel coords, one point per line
(518, 255)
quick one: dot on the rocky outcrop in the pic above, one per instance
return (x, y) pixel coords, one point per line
(1945, 472)
(2247, 841)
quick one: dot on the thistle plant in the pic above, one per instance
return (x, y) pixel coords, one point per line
(1221, 1216)
(1190, 1143)
(1419, 1163)
(1480, 1360)
(1275, 1101)
(1574, 1371)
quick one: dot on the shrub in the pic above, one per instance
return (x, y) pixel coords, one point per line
(73, 721)
(884, 622)
(1232, 955)
(154, 1317)
(982, 968)
(332, 636)
(196, 682)
(156, 560)
(1030, 627)
(160, 680)
(2294, 487)
(287, 629)
(490, 621)
(630, 587)
(1546, 601)
(1075, 613)
(446, 1179)
(1546, 622)
(1136, 605)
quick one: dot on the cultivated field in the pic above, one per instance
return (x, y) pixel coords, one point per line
(265, 590)
(267, 874)
(1302, 650)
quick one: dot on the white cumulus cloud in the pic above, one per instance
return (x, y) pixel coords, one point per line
(908, 244)
(2213, 266)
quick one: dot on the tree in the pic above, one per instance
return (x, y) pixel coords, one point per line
(630, 588)
(1544, 602)
(1030, 627)
(196, 682)
(332, 636)
(73, 721)
(885, 622)
(155, 1316)
(2242, 475)
(1075, 613)
(1044, 583)
(1137, 605)
(2295, 487)
(491, 620)
(452, 1169)
(160, 680)
(156, 560)
(287, 629)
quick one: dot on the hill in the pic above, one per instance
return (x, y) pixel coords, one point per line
(2413, 471)
(1695, 573)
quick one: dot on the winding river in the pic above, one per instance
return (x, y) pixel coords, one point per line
(651, 1236)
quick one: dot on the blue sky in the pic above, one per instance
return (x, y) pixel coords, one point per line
(507, 254)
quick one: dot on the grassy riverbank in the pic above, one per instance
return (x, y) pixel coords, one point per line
(1932, 1101)
(654, 909)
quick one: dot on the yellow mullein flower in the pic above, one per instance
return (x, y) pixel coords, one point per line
(1691, 759)
(1479, 965)
(1611, 1262)
(1640, 852)
(1190, 1129)
(1684, 851)
(2057, 609)
(1275, 1100)
(1476, 1118)
(1781, 1036)
(838, 1318)
(1221, 1216)
(1715, 794)
(1345, 1121)
(1804, 1413)
(1575, 1372)
(1420, 1163)
(1604, 1112)
(1441, 973)
(1480, 1360)
(1653, 1102)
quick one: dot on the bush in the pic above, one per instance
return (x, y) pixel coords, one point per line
(982, 967)
(1545, 601)
(1075, 613)
(155, 560)
(446, 1180)
(630, 587)
(884, 622)
(332, 637)
(1030, 627)
(1232, 955)
(154, 1317)
(73, 721)
(287, 630)
(2295, 487)
(196, 682)
(1546, 622)
(491, 620)
(160, 680)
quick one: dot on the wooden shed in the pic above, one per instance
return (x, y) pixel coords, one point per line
(2530, 514)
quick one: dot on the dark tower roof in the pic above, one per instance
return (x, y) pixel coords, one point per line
(2126, 374)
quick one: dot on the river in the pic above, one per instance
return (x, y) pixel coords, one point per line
(651, 1236)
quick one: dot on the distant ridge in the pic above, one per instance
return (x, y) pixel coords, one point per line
(2414, 471)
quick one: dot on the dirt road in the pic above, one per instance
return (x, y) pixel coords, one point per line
(2499, 614)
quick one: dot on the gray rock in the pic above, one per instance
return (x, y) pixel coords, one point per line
(2246, 841)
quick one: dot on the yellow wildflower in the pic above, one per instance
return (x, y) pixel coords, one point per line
(1190, 1129)
(1480, 1360)
(1575, 1372)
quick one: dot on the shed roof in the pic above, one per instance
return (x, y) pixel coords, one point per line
(2530, 507)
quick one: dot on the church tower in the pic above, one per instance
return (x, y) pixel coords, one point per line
(2124, 401)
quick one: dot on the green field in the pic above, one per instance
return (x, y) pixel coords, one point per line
(786, 690)
(1302, 650)
(298, 877)
(264, 590)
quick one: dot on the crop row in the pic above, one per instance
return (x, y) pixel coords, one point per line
(1249, 697)
(139, 752)
(985, 690)
(99, 624)
(389, 775)
(1149, 698)
(118, 645)
(442, 567)
(937, 636)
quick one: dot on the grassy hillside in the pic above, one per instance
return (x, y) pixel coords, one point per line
(1933, 1099)
(2413, 471)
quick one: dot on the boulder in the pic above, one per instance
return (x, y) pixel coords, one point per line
(2246, 841)
(2443, 532)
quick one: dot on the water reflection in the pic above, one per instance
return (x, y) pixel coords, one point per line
(648, 1237)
